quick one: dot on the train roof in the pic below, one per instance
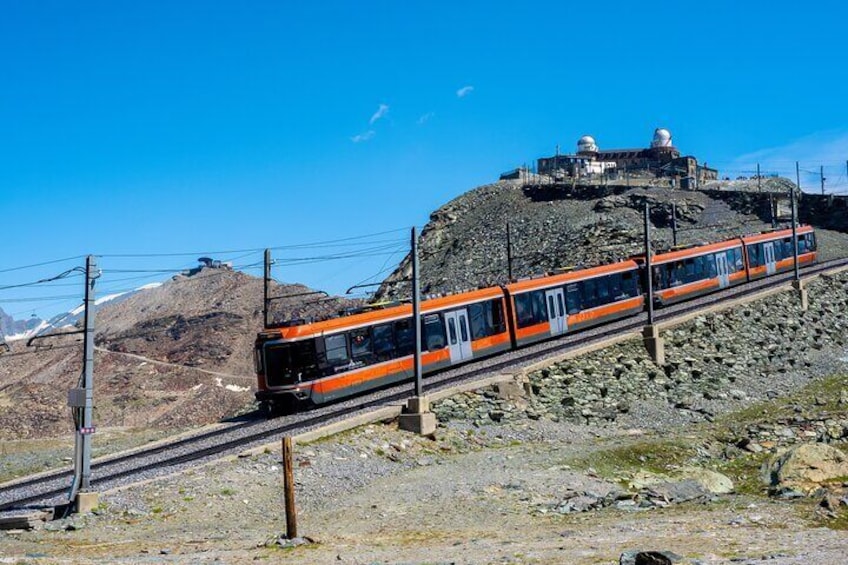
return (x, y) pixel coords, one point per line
(580, 274)
(696, 251)
(371, 317)
(776, 234)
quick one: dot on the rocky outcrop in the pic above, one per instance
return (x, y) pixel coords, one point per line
(806, 467)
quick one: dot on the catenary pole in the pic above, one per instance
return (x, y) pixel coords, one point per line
(87, 428)
(648, 266)
(674, 224)
(416, 314)
(794, 234)
(821, 174)
(508, 252)
(265, 288)
(798, 175)
(759, 182)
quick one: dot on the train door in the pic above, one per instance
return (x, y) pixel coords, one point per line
(768, 254)
(556, 311)
(721, 268)
(459, 335)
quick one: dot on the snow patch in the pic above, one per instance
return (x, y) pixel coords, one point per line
(27, 334)
(219, 382)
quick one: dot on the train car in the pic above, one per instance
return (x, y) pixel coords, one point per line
(687, 273)
(553, 305)
(771, 252)
(322, 361)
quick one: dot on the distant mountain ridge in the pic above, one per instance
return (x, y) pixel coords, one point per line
(10, 327)
(13, 330)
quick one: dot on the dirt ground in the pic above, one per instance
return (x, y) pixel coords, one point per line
(470, 495)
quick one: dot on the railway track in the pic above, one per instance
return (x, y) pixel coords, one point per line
(168, 457)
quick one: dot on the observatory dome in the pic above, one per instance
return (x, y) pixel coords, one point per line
(586, 144)
(662, 138)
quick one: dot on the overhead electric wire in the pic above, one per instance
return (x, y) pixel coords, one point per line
(9, 270)
(68, 273)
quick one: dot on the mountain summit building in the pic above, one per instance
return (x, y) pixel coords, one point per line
(661, 159)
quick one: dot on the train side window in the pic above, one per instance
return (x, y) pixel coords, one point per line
(572, 297)
(360, 343)
(628, 284)
(812, 239)
(589, 293)
(434, 332)
(734, 260)
(689, 270)
(404, 337)
(384, 342)
(755, 255)
(701, 268)
(452, 331)
(616, 291)
(496, 313)
(540, 312)
(336, 349)
(481, 319)
(603, 290)
(523, 310)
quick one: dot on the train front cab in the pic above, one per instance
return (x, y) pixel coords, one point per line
(771, 253)
(695, 271)
(344, 356)
(553, 305)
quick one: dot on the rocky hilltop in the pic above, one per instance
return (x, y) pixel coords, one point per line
(464, 245)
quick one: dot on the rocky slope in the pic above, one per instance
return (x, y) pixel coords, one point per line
(172, 356)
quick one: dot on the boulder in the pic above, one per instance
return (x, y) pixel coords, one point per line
(714, 482)
(806, 466)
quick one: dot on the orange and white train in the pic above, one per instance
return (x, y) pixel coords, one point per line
(330, 359)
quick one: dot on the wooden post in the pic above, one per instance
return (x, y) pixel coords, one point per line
(288, 486)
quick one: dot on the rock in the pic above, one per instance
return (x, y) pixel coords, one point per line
(681, 491)
(649, 558)
(714, 482)
(806, 466)
(643, 479)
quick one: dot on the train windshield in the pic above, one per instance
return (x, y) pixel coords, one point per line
(290, 363)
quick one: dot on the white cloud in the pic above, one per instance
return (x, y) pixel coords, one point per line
(381, 112)
(464, 91)
(425, 118)
(828, 149)
(365, 136)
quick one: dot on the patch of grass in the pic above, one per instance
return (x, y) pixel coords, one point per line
(657, 456)
(744, 471)
(226, 491)
(156, 510)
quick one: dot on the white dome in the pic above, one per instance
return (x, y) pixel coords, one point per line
(586, 144)
(662, 138)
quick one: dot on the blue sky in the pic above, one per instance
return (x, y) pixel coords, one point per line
(185, 127)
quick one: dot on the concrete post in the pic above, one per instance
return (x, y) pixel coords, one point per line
(651, 335)
(654, 343)
(416, 416)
